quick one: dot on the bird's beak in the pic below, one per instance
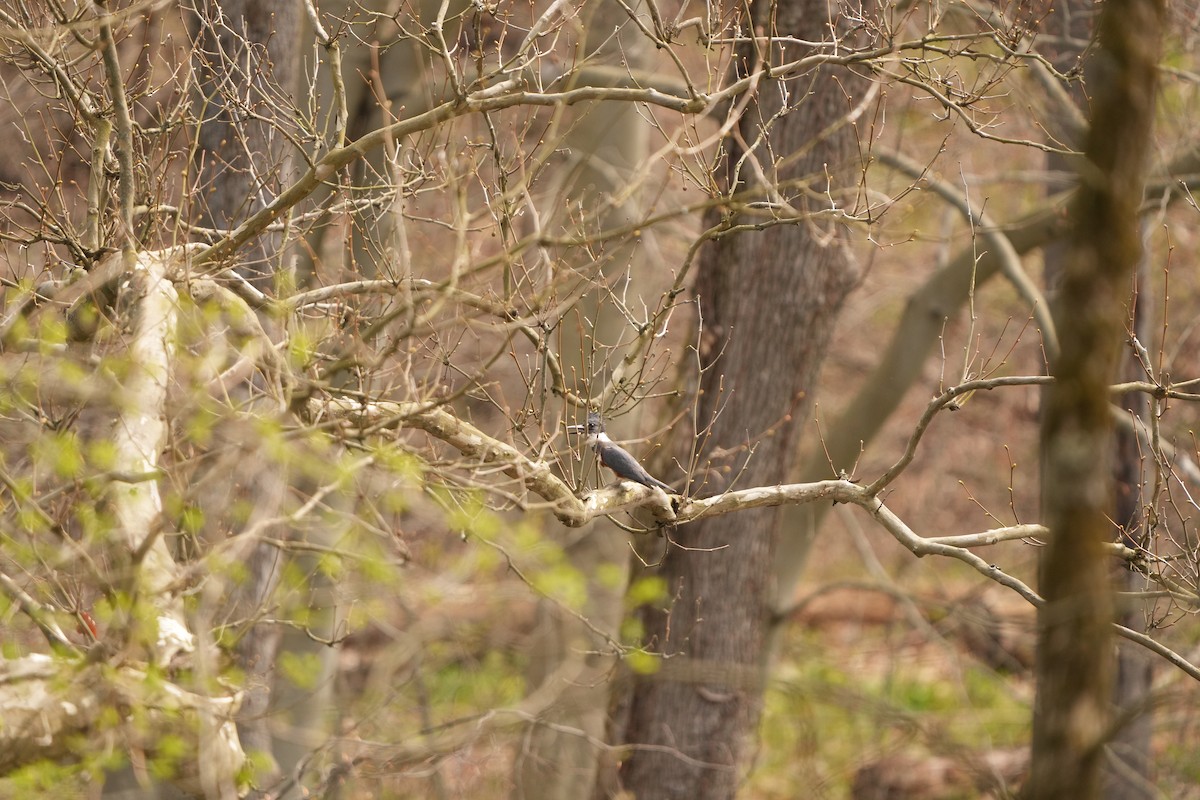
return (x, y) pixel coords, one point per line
(576, 428)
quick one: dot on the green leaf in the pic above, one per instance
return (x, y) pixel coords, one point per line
(304, 670)
(643, 663)
(646, 591)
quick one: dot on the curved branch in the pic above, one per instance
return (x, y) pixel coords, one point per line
(937, 404)
(483, 450)
(572, 511)
(1010, 260)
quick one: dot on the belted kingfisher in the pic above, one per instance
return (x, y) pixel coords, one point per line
(614, 456)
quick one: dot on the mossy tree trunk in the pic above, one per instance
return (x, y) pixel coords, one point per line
(1074, 662)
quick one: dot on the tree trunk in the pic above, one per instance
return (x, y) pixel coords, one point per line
(1129, 773)
(1127, 777)
(608, 142)
(1074, 662)
(768, 301)
(246, 55)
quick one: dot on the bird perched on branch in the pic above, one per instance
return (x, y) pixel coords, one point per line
(614, 456)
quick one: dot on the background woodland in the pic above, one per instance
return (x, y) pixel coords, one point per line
(299, 299)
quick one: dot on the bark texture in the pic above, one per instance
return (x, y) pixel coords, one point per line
(768, 301)
(1074, 666)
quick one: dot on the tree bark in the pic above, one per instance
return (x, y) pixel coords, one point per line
(1074, 662)
(246, 55)
(1129, 776)
(768, 301)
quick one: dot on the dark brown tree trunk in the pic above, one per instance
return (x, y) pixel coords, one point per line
(768, 301)
(1074, 663)
(247, 55)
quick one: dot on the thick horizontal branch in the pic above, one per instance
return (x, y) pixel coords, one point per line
(539, 479)
(482, 451)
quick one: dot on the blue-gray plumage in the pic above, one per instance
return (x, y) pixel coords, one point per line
(614, 456)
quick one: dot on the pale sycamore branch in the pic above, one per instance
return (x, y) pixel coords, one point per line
(980, 222)
(486, 453)
(139, 436)
(482, 451)
(50, 704)
(42, 615)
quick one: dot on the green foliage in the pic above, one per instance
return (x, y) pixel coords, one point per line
(1182, 756)
(190, 519)
(823, 719)
(52, 331)
(464, 686)
(302, 669)
(107, 608)
(610, 576)
(30, 521)
(647, 591)
(257, 763)
(199, 427)
(374, 565)
(331, 565)
(643, 662)
(168, 756)
(272, 440)
(61, 452)
(108, 718)
(46, 778)
(469, 513)
(234, 571)
(302, 346)
(398, 462)
(563, 582)
(93, 519)
(76, 777)
(72, 373)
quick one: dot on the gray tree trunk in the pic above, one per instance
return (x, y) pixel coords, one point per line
(768, 301)
(1128, 776)
(246, 55)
